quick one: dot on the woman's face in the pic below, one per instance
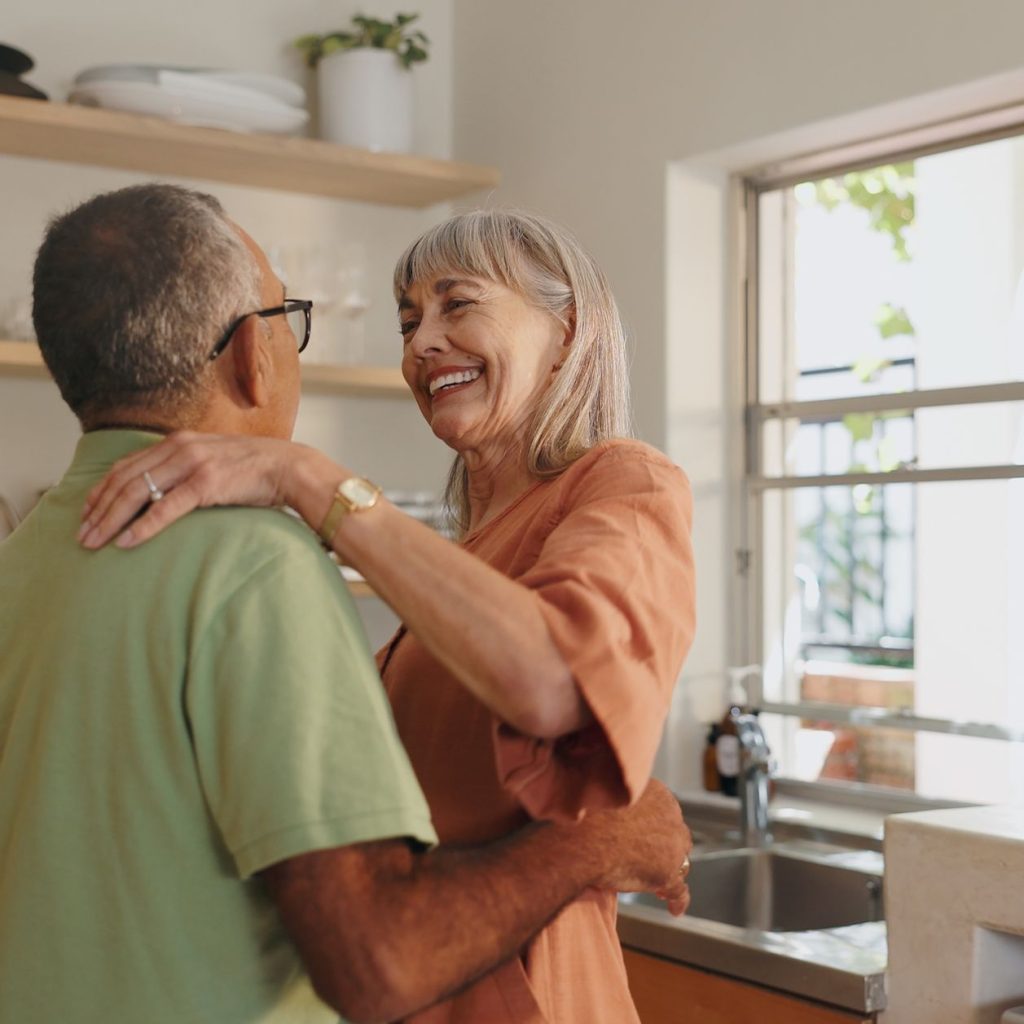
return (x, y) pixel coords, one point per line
(477, 357)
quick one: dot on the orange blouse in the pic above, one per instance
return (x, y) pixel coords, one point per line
(605, 546)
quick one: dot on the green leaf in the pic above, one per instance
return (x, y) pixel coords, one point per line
(867, 368)
(414, 55)
(864, 499)
(311, 48)
(336, 43)
(831, 193)
(887, 457)
(893, 321)
(861, 426)
(886, 193)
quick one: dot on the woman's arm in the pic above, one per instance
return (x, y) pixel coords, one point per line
(485, 628)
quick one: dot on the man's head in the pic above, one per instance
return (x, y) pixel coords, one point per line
(131, 291)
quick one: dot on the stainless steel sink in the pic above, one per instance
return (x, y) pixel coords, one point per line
(804, 915)
(774, 891)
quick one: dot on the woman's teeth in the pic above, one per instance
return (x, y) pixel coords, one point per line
(461, 377)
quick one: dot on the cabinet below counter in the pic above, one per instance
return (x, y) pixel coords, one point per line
(671, 993)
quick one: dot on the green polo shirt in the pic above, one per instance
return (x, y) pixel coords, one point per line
(172, 720)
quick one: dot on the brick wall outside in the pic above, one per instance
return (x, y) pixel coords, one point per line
(880, 757)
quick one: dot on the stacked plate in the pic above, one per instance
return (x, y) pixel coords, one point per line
(237, 100)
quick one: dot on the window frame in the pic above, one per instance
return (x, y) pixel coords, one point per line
(942, 136)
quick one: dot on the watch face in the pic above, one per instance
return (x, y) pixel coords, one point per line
(360, 492)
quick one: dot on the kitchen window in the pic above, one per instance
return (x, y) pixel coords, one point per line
(883, 548)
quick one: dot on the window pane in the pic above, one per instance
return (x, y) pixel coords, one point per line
(897, 596)
(987, 434)
(840, 580)
(900, 276)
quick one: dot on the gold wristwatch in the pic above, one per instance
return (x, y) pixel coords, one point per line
(354, 494)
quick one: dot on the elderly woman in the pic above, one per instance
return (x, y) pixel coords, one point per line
(534, 667)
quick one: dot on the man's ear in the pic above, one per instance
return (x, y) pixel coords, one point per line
(251, 365)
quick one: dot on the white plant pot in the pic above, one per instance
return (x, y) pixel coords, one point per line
(366, 100)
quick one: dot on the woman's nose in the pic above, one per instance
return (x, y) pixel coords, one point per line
(429, 337)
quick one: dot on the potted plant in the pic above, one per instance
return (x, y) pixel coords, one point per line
(365, 85)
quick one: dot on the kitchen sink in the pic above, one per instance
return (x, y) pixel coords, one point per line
(775, 891)
(803, 913)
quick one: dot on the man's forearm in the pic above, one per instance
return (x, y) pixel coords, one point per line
(398, 930)
(385, 930)
(461, 913)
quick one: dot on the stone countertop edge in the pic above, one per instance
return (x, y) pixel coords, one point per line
(1003, 823)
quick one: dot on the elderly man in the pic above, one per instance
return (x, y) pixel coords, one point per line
(203, 802)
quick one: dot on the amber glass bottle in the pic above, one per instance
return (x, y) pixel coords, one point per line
(727, 754)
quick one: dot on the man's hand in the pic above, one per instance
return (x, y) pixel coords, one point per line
(647, 847)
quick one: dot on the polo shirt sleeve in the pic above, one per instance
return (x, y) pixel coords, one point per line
(294, 741)
(615, 580)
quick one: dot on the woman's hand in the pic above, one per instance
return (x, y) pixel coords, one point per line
(193, 471)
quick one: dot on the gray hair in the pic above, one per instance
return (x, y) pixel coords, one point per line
(131, 291)
(588, 400)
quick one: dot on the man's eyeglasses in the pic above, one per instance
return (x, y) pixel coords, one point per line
(296, 311)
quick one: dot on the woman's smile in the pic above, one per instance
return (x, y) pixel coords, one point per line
(446, 380)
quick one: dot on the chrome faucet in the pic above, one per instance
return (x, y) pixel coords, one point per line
(756, 766)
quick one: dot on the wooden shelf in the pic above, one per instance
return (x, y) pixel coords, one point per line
(22, 359)
(106, 138)
(368, 381)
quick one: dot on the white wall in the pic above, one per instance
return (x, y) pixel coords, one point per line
(590, 107)
(384, 439)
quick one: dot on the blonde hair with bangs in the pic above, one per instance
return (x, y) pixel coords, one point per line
(588, 400)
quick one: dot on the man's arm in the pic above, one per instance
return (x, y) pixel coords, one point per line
(385, 931)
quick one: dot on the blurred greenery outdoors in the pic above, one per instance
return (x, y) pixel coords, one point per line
(886, 195)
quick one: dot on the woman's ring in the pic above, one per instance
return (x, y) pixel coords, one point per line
(155, 494)
(684, 868)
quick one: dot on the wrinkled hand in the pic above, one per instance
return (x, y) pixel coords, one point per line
(193, 471)
(649, 846)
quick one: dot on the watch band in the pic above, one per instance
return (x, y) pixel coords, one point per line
(342, 505)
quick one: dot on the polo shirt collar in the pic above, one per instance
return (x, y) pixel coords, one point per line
(100, 449)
